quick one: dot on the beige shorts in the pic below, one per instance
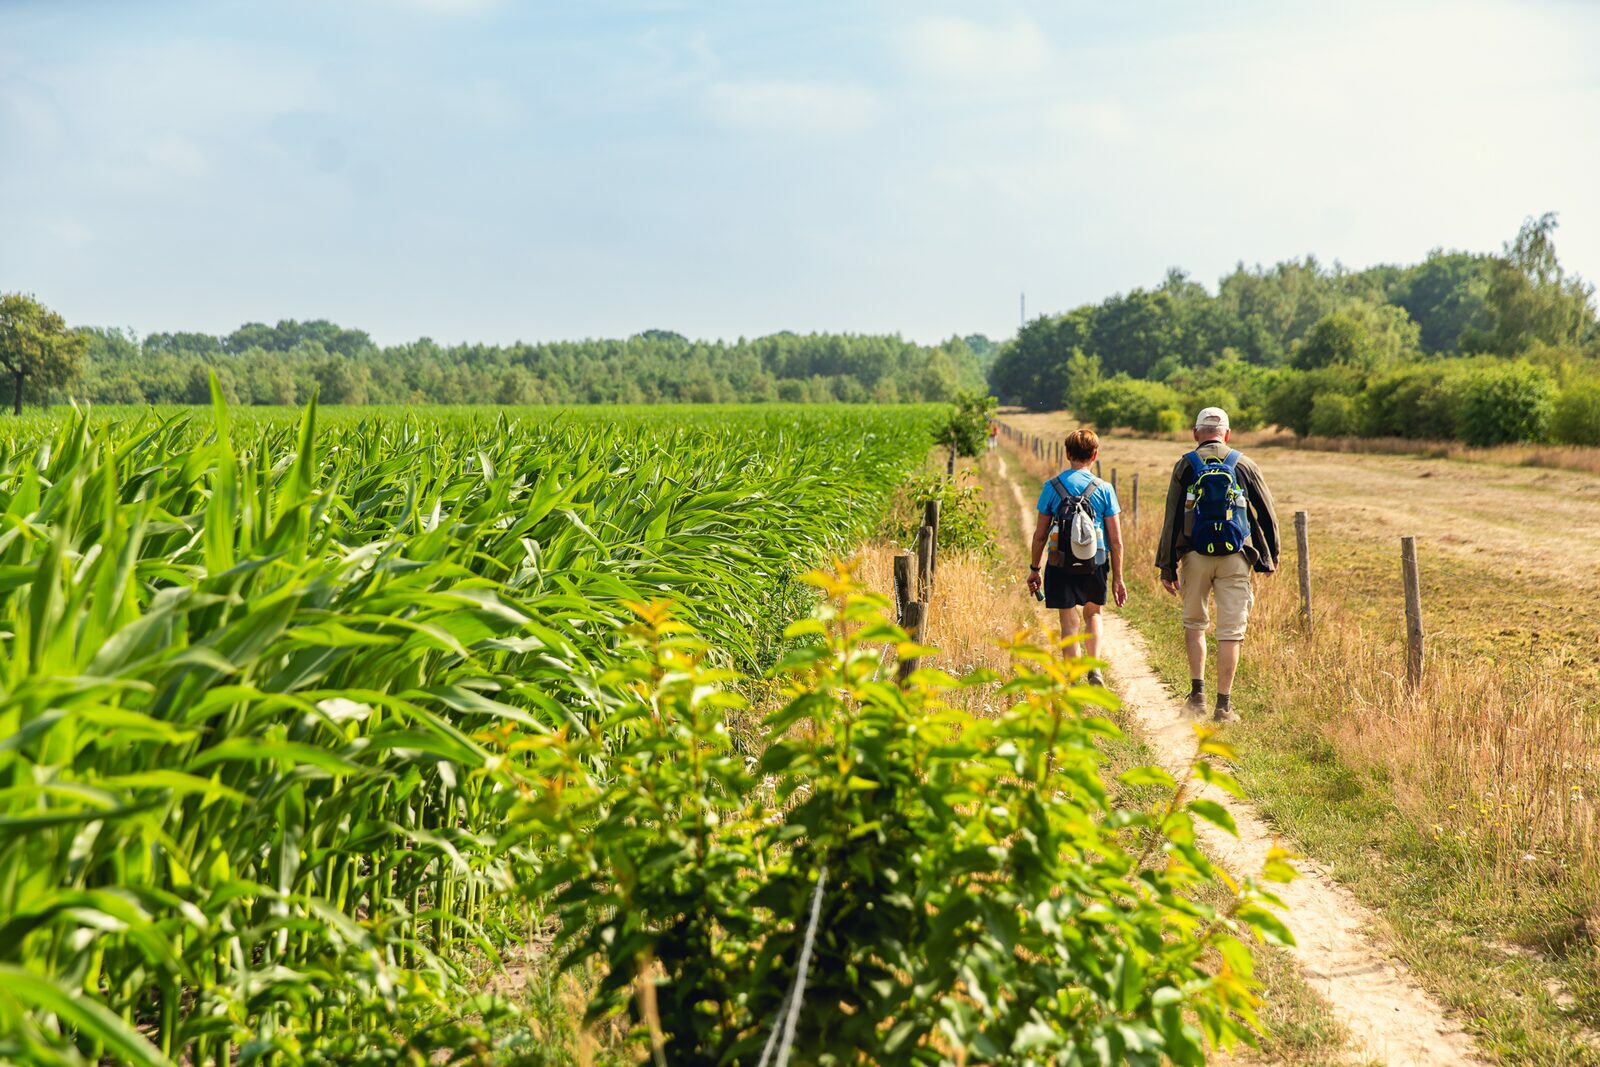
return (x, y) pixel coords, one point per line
(1228, 578)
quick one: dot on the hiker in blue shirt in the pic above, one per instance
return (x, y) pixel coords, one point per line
(1075, 575)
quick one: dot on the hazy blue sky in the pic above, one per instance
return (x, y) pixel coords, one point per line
(492, 169)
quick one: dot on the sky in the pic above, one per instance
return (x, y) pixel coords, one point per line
(495, 170)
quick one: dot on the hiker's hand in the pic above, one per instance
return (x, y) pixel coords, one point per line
(1034, 582)
(1119, 592)
(1171, 587)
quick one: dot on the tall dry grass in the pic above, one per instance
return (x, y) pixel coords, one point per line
(1500, 766)
(973, 606)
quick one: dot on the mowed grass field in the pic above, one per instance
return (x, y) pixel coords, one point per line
(1466, 813)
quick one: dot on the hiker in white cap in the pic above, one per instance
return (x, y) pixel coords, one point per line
(1220, 526)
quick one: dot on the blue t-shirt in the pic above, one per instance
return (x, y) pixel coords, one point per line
(1103, 502)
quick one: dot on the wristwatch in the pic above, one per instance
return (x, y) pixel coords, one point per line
(1034, 569)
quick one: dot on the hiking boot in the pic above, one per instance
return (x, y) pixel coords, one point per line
(1225, 713)
(1195, 705)
(1096, 677)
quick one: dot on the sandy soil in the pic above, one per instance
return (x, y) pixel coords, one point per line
(1547, 520)
(1390, 1017)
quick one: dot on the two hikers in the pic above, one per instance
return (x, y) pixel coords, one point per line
(1083, 512)
(1220, 527)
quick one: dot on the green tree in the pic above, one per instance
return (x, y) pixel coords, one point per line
(37, 350)
(1447, 295)
(965, 431)
(1360, 334)
(1532, 297)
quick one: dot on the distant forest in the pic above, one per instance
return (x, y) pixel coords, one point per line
(1483, 348)
(288, 362)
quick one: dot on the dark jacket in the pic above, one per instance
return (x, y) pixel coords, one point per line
(1261, 548)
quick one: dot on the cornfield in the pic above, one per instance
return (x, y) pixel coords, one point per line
(258, 681)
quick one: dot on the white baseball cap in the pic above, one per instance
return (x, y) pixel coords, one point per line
(1211, 419)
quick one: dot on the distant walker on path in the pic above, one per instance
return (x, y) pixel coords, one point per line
(1079, 529)
(1220, 526)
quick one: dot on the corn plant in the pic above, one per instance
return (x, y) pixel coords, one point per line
(261, 685)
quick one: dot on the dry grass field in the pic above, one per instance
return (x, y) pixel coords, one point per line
(1467, 813)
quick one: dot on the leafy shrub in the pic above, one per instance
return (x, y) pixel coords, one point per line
(1422, 400)
(1291, 401)
(1506, 402)
(1576, 420)
(963, 515)
(1128, 402)
(947, 879)
(1333, 415)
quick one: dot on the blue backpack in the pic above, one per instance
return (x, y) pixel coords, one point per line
(1221, 513)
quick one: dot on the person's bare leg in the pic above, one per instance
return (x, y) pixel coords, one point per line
(1071, 623)
(1195, 644)
(1091, 626)
(1227, 664)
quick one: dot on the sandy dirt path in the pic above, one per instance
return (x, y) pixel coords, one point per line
(1390, 1017)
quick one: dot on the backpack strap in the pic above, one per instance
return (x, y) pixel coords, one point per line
(1062, 496)
(1196, 463)
(1231, 460)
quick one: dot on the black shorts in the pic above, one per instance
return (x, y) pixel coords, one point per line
(1063, 589)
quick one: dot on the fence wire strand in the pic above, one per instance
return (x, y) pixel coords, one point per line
(789, 1014)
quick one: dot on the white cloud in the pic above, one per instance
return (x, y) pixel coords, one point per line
(794, 106)
(951, 47)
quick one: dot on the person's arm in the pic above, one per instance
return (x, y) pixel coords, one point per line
(1041, 539)
(1263, 522)
(1171, 528)
(1119, 591)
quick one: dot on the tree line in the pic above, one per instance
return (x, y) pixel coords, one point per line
(1485, 348)
(289, 362)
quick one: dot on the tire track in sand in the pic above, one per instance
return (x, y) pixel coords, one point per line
(1390, 1017)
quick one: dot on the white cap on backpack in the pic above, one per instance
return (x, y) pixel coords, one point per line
(1211, 419)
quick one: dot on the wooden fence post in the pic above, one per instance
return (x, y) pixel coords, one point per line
(1303, 545)
(915, 626)
(930, 517)
(1113, 479)
(1408, 573)
(925, 564)
(902, 585)
(1135, 507)
(1097, 468)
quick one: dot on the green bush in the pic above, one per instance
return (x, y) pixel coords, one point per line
(963, 515)
(1504, 403)
(969, 880)
(1169, 421)
(1333, 415)
(1422, 400)
(1132, 403)
(1292, 400)
(1576, 420)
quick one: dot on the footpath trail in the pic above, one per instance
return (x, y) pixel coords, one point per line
(1391, 1019)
